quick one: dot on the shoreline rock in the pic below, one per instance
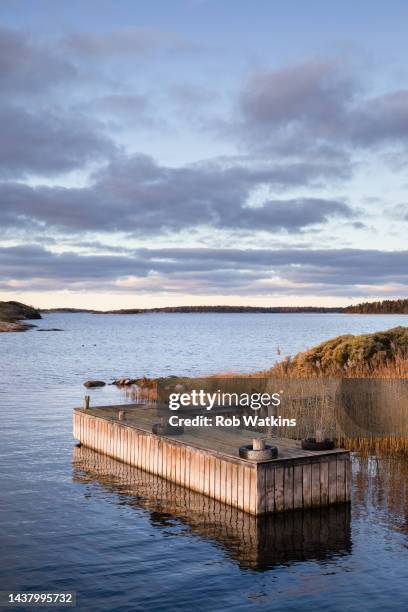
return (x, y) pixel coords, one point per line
(94, 383)
(124, 382)
(10, 326)
(12, 315)
(140, 382)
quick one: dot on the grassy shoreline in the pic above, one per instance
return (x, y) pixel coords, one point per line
(373, 355)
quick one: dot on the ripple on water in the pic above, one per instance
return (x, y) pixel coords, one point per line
(71, 521)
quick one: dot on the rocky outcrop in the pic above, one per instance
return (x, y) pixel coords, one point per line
(124, 381)
(16, 311)
(12, 313)
(9, 326)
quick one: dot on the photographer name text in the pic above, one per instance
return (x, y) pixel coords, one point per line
(231, 421)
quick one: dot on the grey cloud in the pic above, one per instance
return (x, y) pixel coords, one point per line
(291, 215)
(381, 119)
(28, 65)
(123, 103)
(320, 105)
(48, 142)
(70, 267)
(315, 91)
(128, 42)
(300, 271)
(136, 195)
(38, 134)
(330, 265)
(400, 211)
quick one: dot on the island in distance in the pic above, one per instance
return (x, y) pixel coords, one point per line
(14, 314)
(384, 307)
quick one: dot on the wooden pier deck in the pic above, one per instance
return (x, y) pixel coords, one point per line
(206, 460)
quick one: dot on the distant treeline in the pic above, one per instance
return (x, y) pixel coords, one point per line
(384, 307)
(198, 309)
(226, 309)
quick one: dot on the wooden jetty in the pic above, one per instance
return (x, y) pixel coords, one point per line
(207, 461)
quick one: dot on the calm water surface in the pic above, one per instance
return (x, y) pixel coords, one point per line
(70, 520)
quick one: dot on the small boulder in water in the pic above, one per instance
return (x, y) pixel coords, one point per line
(94, 383)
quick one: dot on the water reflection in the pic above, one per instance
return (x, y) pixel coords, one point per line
(381, 486)
(258, 543)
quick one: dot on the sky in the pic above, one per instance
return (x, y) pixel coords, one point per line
(203, 152)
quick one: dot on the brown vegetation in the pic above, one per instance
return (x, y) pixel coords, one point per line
(353, 388)
(377, 355)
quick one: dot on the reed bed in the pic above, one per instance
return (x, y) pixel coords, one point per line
(389, 445)
(352, 388)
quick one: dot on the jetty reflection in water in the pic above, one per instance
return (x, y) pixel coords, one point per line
(258, 543)
(381, 487)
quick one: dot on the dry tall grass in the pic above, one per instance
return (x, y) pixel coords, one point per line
(353, 388)
(389, 445)
(377, 355)
(382, 367)
(370, 414)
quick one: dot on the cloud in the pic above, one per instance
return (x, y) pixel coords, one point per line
(49, 143)
(30, 66)
(301, 126)
(39, 133)
(70, 267)
(127, 104)
(400, 211)
(320, 105)
(331, 272)
(136, 195)
(381, 119)
(125, 42)
(315, 92)
(291, 215)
